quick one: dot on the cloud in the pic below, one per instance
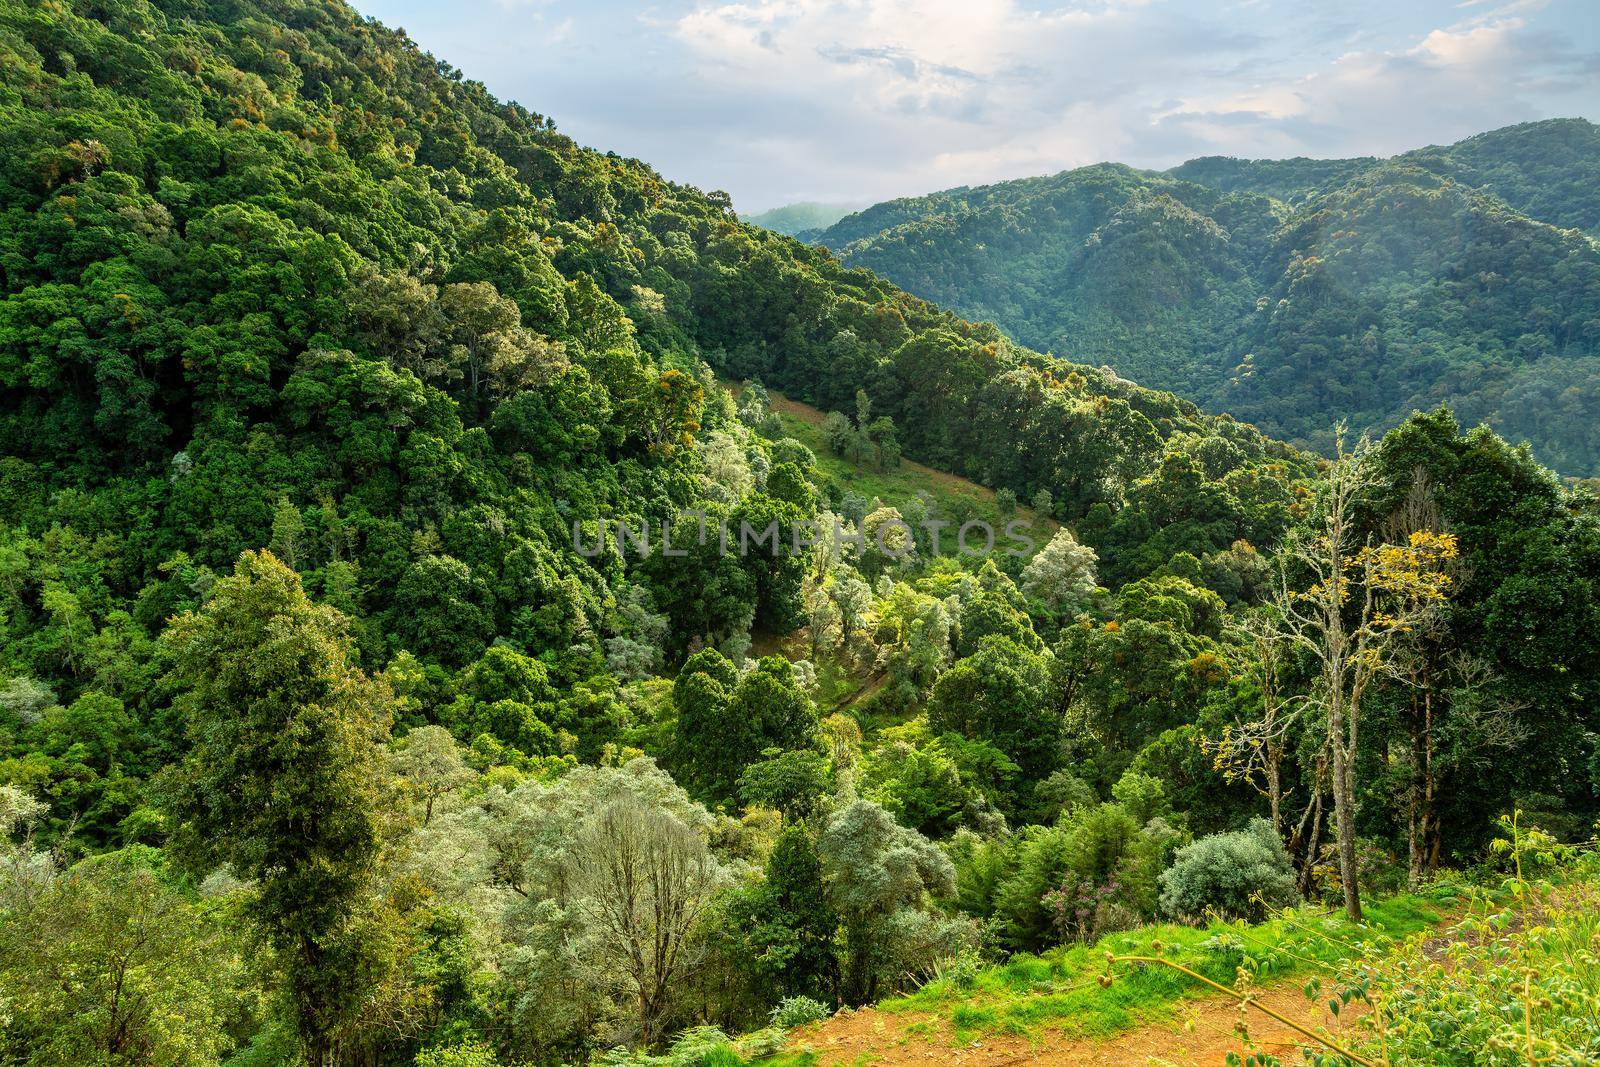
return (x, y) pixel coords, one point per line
(936, 94)
(1452, 82)
(832, 100)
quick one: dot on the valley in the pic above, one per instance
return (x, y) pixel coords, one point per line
(331, 735)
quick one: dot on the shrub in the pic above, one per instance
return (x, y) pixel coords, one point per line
(467, 1054)
(798, 1011)
(761, 1045)
(702, 1046)
(960, 971)
(1064, 793)
(1227, 872)
(920, 942)
(698, 1046)
(1505, 993)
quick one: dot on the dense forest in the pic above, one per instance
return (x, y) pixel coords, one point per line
(1294, 292)
(332, 731)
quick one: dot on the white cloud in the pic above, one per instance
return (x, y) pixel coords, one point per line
(778, 100)
(1452, 82)
(949, 92)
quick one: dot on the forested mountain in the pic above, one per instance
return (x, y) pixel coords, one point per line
(794, 219)
(334, 732)
(1292, 292)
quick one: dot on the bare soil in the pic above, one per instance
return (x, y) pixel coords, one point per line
(1200, 1034)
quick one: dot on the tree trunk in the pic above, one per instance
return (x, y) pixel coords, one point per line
(1415, 817)
(647, 1022)
(1414, 851)
(858, 974)
(1423, 822)
(1313, 845)
(1275, 750)
(1275, 795)
(1344, 814)
(1306, 841)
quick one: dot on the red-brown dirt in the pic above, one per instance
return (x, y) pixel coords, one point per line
(1200, 1034)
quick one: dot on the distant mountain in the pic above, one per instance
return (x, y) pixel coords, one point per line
(793, 219)
(1295, 292)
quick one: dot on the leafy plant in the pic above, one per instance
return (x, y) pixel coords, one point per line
(1240, 873)
(798, 1011)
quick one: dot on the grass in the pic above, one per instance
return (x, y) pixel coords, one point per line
(952, 494)
(1515, 980)
(1064, 990)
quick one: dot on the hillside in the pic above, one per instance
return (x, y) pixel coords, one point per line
(793, 219)
(1293, 292)
(949, 494)
(1054, 1011)
(467, 600)
(304, 334)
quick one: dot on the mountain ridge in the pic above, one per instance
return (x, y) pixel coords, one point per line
(1185, 279)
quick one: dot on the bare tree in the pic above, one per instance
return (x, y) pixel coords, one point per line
(1363, 598)
(1255, 751)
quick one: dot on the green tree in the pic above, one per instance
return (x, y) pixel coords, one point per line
(428, 763)
(784, 927)
(1062, 574)
(726, 722)
(109, 963)
(281, 781)
(875, 872)
(1001, 694)
(838, 433)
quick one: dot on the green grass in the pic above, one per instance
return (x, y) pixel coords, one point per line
(952, 494)
(837, 683)
(1061, 990)
(1516, 975)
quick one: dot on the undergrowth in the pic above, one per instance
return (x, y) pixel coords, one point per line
(1515, 982)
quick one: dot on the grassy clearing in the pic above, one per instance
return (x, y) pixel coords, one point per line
(952, 494)
(1063, 991)
(1513, 979)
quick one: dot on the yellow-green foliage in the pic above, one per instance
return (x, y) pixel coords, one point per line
(1510, 983)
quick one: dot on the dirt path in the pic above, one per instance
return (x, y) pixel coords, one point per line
(1200, 1033)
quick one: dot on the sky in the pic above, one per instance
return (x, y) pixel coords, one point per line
(777, 101)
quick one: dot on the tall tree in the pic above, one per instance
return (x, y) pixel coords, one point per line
(876, 871)
(784, 923)
(1062, 575)
(726, 722)
(642, 877)
(1362, 600)
(281, 782)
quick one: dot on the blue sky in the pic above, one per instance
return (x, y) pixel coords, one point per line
(861, 100)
